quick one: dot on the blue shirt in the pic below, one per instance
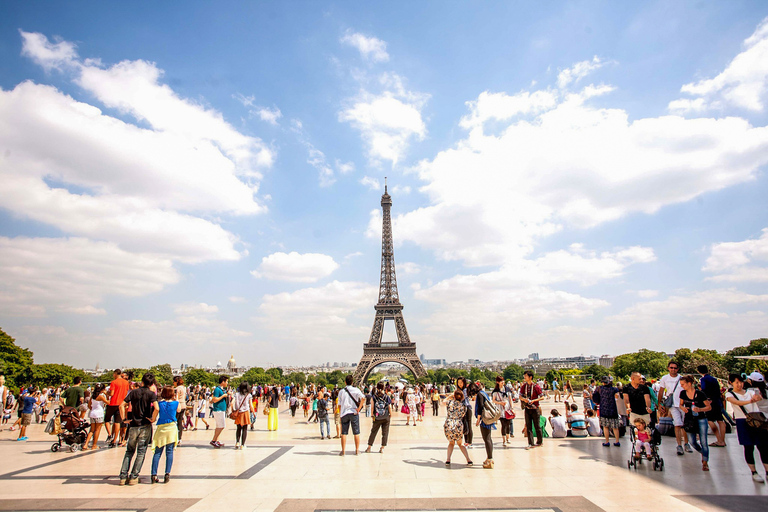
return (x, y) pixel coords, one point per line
(29, 404)
(167, 412)
(221, 405)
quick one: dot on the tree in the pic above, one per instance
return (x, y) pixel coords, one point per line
(597, 371)
(298, 378)
(442, 377)
(513, 372)
(163, 374)
(255, 375)
(50, 374)
(475, 374)
(554, 374)
(650, 363)
(198, 376)
(13, 359)
(710, 358)
(755, 348)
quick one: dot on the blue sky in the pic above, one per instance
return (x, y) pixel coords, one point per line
(179, 186)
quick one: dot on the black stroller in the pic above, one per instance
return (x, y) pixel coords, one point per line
(636, 458)
(67, 426)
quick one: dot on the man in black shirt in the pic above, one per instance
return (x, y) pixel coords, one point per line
(637, 399)
(143, 412)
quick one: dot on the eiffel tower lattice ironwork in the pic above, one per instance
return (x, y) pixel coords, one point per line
(375, 351)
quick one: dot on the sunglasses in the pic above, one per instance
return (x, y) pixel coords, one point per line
(673, 367)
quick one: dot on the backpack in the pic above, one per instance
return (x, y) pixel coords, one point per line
(380, 407)
(491, 413)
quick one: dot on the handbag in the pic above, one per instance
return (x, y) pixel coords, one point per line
(669, 400)
(491, 412)
(754, 419)
(405, 409)
(235, 412)
(266, 410)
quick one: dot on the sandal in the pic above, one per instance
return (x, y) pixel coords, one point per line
(447, 463)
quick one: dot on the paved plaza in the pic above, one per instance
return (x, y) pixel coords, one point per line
(293, 470)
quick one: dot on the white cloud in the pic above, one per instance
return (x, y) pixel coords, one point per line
(195, 308)
(502, 107)
(647, 294)
(744, 81)
(269, 115)
(371, 183)
(408, 267)
(711, 303)
(575, 73)
(345, 167)
(295, 267)
(237, 300)
(48, 55)
(370, 48)
(42, 275)
(745, 261)
(686, 105)
(401, 189)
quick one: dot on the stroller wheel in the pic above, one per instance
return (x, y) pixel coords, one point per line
(74, 448)
(661, 464)
(55, 447)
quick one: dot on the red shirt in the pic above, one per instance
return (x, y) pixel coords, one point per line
(119, 388)
(530, 391)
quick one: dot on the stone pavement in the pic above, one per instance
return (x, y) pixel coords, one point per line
(292, 470)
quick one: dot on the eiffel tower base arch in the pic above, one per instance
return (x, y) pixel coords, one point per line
(373, 357)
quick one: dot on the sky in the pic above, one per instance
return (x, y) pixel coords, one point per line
(184, 183)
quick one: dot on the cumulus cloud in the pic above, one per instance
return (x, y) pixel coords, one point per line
(195, 308)
(370, 183)
(370, 48)
(575, 73)
(745, 261)
(295, 267)
(743, 83)
(266, 114)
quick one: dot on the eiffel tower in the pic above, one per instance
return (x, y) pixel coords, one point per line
(375, 351)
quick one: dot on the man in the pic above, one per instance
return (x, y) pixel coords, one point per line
(322, 414)
(144, 412)
(711, 387)
(351, 402)
(530, 396)
(669, 385)
(113, 422)
(74, 395)
(637, 398)
(26, 406)
(577, 423)
(556, 389)
(654, 401)
(219, 401)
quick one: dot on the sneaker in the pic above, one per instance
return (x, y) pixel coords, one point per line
(243, 447)
(219, 445)
(688, 448)
(680, 450)
(757, 478)
(122, 481)
(237, 445)
(214, 444)
(529, 447)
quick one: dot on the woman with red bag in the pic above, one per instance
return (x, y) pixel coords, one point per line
(502, 398)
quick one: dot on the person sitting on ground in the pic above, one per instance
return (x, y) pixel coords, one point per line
(559, 428)
(593, 424)
(577, 423)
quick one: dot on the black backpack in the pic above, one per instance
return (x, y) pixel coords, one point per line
(380, 407)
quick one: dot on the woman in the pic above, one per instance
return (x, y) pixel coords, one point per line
(181, 399)
(99, 401)
(568, 390)
(454, 425)
(605, 397)
(477, 390)
(412, 402)
(242, 407)
(461, 384)
(167, 432)
(381, 404)
(202, 405)
(274, 403)
(500, 397)
(695, 404)
(745, 401)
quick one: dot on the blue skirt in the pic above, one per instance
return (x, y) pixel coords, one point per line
(750, 436)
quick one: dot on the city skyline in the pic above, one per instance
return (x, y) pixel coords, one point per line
(175, 184)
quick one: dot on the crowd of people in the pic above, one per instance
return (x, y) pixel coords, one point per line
(144, 415)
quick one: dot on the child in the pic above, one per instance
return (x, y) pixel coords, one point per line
(642, 439)
(559, 427)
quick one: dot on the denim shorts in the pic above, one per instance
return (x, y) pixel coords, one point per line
(354, 420)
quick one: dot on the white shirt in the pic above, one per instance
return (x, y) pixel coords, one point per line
(559, 428)
(346, 404)
(668, 383)
(593, 426)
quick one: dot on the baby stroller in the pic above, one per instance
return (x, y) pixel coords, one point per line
(655, 441)
(69, 428)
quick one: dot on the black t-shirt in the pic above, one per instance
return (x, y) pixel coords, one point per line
(322, 409)
(141, 400)
(699, 400)
(637, 398)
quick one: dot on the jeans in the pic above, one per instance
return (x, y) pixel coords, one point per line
(532, 422)
(367, 410)
(327, 424)
(138, 439)
(704, 447)
(435, 406)
(168, 458)
(384, 425)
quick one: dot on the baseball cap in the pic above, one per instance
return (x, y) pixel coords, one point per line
(756, 376)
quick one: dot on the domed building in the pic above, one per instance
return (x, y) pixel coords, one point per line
(231, 365)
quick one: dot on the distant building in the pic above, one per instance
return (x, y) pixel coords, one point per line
(606, 361)
(534, 356)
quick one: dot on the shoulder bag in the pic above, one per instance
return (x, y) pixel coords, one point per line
(754, 419)
(236, 411)
(491, 412)
(669, 400)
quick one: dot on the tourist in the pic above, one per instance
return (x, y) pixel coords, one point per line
(254, 407)
(503, 401)
(477, 390)
(321, 411)
(454, 425)
(26, 406)
(143, 413)
(669, 386)
(642, 438)
(74, 395)
(293, 403)
(577, 423)
(381, 404)
(695, 404)
(181, 399)
(558, 423)
(411, 401)
(605, 396)
(368, 392)
(556, 389)
(746, 401)
(274, 405)
(435, 396)
(97, 405)
(167, 432)
(202, 406)
(593, 424)
(711, 388)
(654, 401)
(461, 384)
(219, 402)
(568, 390)
(313, 416)
(350, 403)
(530, 396)
(4, 394)
(637, 399)
(242, 407)
(118, 389)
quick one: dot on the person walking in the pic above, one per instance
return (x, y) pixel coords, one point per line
(144, 412)
(27, 403)
(274, 405)
(411, 400)
(181, 399)
(711, 387)
(502, 400)
(435, 396)
(381, 405)
(669, 398)
(695, 404)
(202, 406)
(321, 410)
(351, 402)
(454, 425)
(637, 399)
(118, 389)
(747, 401)
(605, 397)
(242, 407)
(167, 433)
(97, 406)
(530, 396)
(219, 401)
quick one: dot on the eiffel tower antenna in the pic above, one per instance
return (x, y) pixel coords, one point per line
(388, 308)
